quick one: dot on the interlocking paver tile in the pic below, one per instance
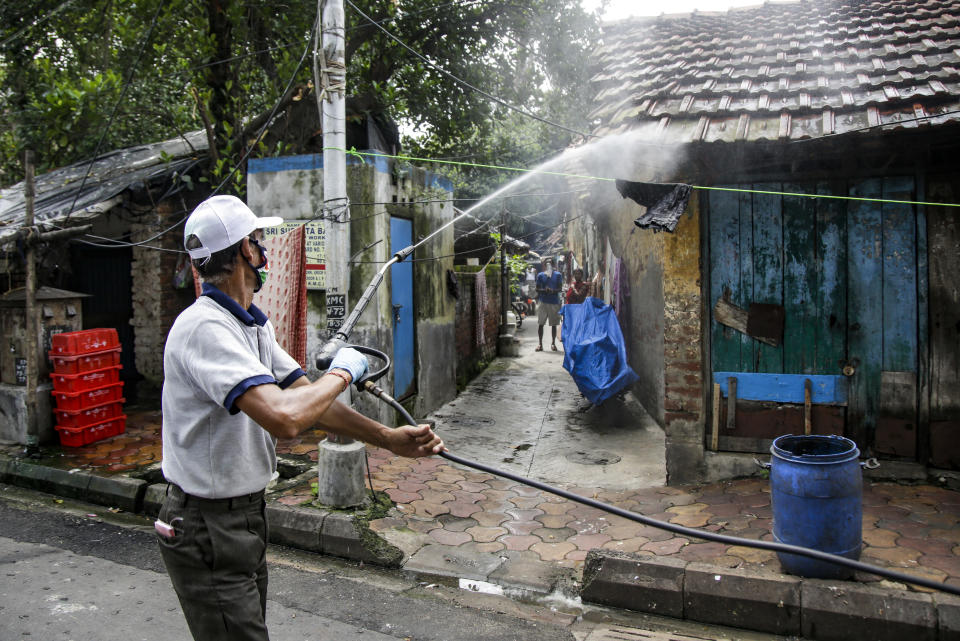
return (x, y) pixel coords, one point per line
(449, 477)
(554, 520)
(525, 490)
(558, 507)
(469, 497)
(526, 502)
(692, 520)
(522, 528)
(472, 486)
(432, 496)
(524, 515)
(552, 535)
(588, 541)
(666, 548)
(692, 508)
(586, 526)
(446, 537)
(428, 509)
(482, 534)
(421, 525)
(552, 551)
(903, 557)
(490, 547)
(462, 508)
(519, 543)
(949, 564)
(880, 538)
(939, 533)
(629, 546)
(703, 551)
(410, 486)
(932, 574)
(455, 523)
(399, 496)
(751, 555)
(489, 519)
(443, 487)
(577, 555)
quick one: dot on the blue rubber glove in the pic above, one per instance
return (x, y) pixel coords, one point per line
(352, 361)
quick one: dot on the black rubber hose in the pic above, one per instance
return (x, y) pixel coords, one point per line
(773, 546)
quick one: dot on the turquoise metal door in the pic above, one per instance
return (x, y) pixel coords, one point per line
(846, 274)
(401, 297)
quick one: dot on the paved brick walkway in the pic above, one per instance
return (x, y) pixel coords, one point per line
(915, 528)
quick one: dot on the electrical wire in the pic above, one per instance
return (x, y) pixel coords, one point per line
(466, 84)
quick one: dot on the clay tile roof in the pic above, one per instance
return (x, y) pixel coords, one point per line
(793, 69)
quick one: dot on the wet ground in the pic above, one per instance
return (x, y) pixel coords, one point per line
(524, 414)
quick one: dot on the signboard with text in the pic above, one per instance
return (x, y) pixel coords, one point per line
(315, 251)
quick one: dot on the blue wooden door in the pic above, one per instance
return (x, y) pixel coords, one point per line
(845, 273)
(401, 298)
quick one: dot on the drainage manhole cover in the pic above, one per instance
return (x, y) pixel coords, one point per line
(592, 457)
(467, 421)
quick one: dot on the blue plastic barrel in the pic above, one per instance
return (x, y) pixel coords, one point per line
(816, 491)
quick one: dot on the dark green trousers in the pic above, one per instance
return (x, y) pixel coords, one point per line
(218, 565)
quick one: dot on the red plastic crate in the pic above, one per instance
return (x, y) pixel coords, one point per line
(79, 400)
(72, 436)
(84, 341)
(115, 426)
(89, 415)
(85, 362)
(79, 436)
(86, 380)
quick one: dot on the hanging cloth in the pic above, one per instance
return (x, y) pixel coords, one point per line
(665, 202)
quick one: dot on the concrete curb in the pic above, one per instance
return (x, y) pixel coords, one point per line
(762, 601)
(120, 491)
(311, 529)
(767, 601)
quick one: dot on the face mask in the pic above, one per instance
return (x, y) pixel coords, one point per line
(262, 272)
(549, 271)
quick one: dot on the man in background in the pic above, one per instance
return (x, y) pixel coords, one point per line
(549, 284)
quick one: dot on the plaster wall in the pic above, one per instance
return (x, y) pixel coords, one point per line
(293, 188)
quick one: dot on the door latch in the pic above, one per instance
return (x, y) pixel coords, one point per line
(396, 313)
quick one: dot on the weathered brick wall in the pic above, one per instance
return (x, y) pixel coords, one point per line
(471, 357)
(156, 303)
(684, 390)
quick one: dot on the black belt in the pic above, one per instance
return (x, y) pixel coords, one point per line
(232, 503)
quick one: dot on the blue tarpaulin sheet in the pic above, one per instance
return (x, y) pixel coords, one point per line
(594, 350)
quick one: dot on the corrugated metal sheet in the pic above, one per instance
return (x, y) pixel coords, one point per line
(789, 70)
(59, 190)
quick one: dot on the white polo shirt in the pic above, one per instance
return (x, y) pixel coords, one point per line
(216, 351)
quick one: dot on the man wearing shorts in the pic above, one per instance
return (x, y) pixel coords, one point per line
(549, 284)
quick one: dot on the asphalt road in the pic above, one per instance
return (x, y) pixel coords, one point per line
(72, 571)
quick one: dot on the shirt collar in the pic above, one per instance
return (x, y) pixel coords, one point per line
(250, 316)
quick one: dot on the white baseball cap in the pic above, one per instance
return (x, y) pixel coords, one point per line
(222, 221)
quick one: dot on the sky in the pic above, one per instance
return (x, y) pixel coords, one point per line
(619, 9)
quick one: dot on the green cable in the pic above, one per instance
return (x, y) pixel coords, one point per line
(361, 154)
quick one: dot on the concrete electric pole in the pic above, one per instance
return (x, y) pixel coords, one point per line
(340, 459)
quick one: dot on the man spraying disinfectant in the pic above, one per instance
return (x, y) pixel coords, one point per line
(229, 392)
(549, 284)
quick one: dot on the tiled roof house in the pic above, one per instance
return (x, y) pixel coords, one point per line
(856, 102)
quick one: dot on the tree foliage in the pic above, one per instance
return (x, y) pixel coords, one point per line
(79, 77)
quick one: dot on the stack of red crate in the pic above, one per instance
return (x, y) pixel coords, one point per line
(86, 386)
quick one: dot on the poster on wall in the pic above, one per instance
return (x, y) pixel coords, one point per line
(315, 251)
